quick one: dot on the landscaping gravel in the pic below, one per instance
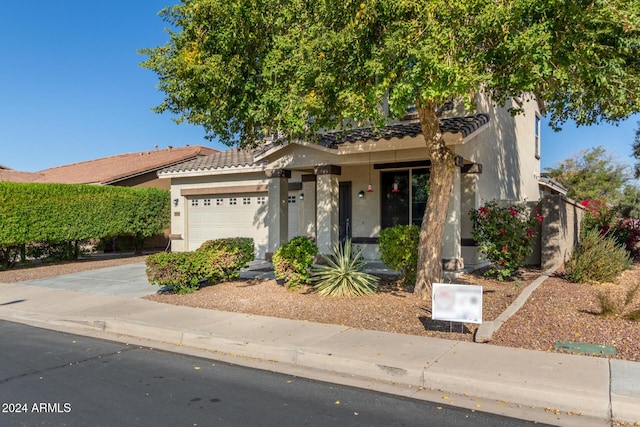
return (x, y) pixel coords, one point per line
(557, 310)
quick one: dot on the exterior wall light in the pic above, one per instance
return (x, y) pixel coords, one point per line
(175, 202)
(301, 196)
(361, 195)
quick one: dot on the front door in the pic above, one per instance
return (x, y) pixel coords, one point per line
(344, 211)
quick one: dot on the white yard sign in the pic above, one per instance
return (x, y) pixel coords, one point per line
(456, 303)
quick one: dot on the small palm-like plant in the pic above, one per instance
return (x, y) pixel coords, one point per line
(343, 275)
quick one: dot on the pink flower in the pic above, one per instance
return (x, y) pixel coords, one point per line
(513, 211)
(530, 232)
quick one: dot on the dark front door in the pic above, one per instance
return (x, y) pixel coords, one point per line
(344, 211)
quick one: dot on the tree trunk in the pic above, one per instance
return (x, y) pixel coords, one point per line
(139, 244)
(435, 214)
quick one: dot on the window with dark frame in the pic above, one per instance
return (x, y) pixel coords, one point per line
(404, 196)
(537, 136)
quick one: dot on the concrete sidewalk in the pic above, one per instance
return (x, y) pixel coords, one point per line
(553, 388)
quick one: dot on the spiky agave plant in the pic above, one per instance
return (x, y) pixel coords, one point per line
(343, 275)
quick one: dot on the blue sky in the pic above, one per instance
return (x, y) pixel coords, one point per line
(72, 88)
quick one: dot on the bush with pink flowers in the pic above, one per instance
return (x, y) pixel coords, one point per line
(505, 235)
(624, 231)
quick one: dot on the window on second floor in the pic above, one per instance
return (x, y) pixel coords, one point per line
(537, 136)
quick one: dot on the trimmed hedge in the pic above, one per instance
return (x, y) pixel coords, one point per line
(214, 262)
(67, 213)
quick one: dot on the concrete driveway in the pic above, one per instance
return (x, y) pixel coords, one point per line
(124, 280)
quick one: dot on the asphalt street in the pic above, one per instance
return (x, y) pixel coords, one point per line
(50, 378)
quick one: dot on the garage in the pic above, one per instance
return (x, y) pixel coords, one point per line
(233, 215)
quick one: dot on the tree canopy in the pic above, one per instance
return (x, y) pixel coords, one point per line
(241, 68)
(597, 174)
(244, 69)
(591, 174)
(636, 150)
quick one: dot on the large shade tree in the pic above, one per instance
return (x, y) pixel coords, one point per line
(245, 68)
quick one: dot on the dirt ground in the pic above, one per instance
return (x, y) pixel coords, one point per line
(557, 310)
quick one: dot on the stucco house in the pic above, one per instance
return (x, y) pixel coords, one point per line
(357, 183)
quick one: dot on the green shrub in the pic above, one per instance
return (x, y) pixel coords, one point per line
(228, 256)
(241, 244)
(58, 213)
(399, 250)
(182, 270)
(214, 262)
(596, 258)
(292, 260)
(504, 235)
(343, 275)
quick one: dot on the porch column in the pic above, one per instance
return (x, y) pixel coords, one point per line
(469, 194)
(451, 250)
(327, 206)
(278, 209)
(308, 211)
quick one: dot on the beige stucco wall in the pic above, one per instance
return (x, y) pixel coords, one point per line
(505, 148)
(560, 229)
(365, 211)
(179, 212)
(510, 168)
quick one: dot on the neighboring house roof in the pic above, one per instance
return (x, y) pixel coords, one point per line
(551, 185)
(8, 174)
(109, 170)
(234, 157)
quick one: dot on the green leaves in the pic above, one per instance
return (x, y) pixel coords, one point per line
(399, 250)
(342, 276)
(64, 212)
(292, 260)
(215, 261)
(504, 235)
(592, 174)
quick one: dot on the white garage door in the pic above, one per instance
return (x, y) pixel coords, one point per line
(233, 215)
(229, 215)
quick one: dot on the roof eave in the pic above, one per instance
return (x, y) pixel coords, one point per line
(451, 139)
(225, 170)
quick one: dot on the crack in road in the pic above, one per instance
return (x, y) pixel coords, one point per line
(78, 362)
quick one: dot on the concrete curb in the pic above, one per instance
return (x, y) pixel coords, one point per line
(552, 387)
(485, 331)
(441, 371)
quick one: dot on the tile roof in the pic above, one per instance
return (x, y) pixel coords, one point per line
(464, 125)
(7, 174)
(108, 170)
(234, 157)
